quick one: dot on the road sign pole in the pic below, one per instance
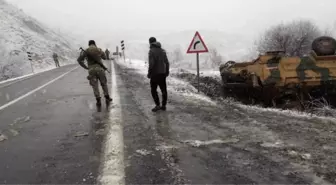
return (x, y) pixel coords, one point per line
(198, 75)
(197, 46)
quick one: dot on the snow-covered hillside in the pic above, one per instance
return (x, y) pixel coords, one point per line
(229, 46)
(20, 33)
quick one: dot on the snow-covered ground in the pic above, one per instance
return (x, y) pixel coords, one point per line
(19, 33)
(207, 72)
(140, 64)
(182, 86)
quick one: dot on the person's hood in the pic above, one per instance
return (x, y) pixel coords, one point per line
(156, 45)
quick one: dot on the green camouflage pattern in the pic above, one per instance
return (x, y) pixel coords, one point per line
(93, 55)
(276, 79)
(307, 63)
(96, 75)
(275, 76)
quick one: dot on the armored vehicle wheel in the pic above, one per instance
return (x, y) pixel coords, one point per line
(228, 64)
(324, 46)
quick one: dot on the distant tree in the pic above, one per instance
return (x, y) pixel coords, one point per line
(330, 30)
(215, 58)
(175, 56)
(294, 38)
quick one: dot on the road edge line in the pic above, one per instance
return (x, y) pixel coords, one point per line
(112, 168)
(30, 75)
(17, 78)
(34, 90)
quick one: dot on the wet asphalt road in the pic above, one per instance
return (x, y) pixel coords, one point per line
(199, 141)
(16, 88)
(56, 136)
(52, 136)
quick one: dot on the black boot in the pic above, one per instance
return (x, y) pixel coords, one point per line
(108, 98)
(156, 108)
(98, 103)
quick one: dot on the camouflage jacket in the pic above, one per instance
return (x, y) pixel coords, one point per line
(94, 56)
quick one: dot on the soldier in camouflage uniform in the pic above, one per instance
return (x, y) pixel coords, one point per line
(55, 57)
(107, 52)
(96, 68)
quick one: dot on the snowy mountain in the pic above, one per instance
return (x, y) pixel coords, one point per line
(20, 33)
(229, 46)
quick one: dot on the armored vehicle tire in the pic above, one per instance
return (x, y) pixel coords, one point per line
(324, 46)
(226, 65)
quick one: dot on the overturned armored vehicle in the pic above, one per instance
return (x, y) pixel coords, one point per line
(285, 82)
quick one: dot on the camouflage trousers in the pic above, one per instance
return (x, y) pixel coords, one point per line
(56, 62)
(96, 75)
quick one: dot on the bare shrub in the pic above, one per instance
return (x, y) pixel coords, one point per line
(215, 58)
(319, 107)
(294, 38)
(175, 57)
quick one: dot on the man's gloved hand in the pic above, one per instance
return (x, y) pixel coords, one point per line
(167, 74)
(148, 76)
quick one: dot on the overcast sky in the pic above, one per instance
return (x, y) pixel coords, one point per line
(120, 17)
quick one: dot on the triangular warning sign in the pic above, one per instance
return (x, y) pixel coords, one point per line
(197, 45)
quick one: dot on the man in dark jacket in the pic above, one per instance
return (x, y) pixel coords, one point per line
(158, 71)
